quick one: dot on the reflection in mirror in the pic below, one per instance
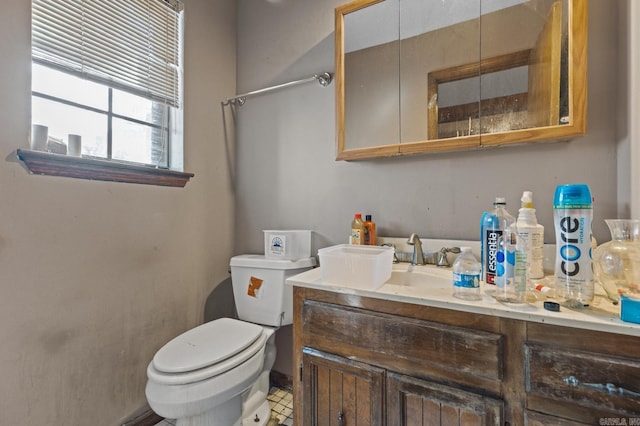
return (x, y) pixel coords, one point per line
(436, 35)
(469, 73)
(500, 88)
(458, 106)
(371, 79)
(527, 36)
(537, 28)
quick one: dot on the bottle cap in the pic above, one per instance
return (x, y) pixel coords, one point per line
(368, 218)
(527, 200)
(358, 216)
(500, 200)
(573, 196)
(552, 306)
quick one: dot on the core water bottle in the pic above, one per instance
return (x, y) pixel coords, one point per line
(572, 214)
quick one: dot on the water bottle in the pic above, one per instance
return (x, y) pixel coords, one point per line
(494, 222)
(511, 272)
(572, 216)
(466, 275)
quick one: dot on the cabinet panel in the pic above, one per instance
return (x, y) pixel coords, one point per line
(340, 392)
(415, 402)
(559, 379)
(412, 346)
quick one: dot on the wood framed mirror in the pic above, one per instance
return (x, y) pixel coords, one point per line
(420, 76)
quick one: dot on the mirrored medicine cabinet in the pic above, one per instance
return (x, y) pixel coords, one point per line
(420, 76)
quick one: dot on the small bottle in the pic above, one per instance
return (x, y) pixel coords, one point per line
(572, 215)
(369, 231)
(466, 275)
(493, 224)
(511, 276)
(357, 230)
(533, 233)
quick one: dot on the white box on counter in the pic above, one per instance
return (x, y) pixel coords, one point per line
(287, 245)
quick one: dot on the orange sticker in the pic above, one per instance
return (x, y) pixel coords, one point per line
(254, 285)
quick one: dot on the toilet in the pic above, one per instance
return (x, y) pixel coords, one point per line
(218, 373)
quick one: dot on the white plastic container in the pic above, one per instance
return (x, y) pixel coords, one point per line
(259, 289)
(287, 245)
(361, 267)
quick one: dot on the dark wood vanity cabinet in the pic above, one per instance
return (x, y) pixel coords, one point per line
(366, 361)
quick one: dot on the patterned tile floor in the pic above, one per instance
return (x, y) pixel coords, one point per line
(281, 401)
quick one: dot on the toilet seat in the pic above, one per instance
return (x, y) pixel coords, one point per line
(206, 351)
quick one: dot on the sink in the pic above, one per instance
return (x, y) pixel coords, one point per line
(422, 276)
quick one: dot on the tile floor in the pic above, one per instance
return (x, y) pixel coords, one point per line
(281, 401)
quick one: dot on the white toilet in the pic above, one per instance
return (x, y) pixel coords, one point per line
(218, 372)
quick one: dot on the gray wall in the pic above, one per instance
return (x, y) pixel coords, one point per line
(288, 177)
(96, 276)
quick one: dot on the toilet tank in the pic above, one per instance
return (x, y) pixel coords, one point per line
(259, 288)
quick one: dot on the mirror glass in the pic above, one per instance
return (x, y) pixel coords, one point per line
(435, 35)
(372, 76)
(439, 75)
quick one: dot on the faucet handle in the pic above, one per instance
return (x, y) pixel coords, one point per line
(442, 255)
(395, 257)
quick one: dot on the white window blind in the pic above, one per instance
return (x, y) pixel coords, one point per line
(133, 45)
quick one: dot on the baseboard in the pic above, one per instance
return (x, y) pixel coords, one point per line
(148, 418)
(281, 380)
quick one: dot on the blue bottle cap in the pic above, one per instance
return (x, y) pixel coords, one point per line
(572, 196)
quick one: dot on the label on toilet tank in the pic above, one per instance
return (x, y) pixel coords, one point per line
(277, 245)
(253, 289)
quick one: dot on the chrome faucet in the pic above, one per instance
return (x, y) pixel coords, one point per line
(418, 257)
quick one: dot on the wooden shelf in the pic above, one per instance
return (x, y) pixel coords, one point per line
(46, 163)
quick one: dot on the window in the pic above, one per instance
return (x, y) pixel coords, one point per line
(110, 71)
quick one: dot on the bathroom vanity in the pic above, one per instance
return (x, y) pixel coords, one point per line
(410, 354)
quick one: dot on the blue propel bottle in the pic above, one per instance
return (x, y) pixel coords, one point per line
(494, 223)
(572, 216)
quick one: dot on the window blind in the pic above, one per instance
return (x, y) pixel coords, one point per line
(133, 45)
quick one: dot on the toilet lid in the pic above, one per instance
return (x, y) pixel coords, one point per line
(205, 345)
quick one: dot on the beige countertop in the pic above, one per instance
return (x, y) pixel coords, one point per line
(602, 315)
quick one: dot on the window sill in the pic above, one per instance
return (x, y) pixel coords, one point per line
(46, 163)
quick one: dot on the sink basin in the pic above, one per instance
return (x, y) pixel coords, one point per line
(427, 276)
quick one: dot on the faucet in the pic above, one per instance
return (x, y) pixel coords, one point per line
(418, 257)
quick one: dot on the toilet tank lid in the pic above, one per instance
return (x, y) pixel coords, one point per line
(260, 261)
(207, 344)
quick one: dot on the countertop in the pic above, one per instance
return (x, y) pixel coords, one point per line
(602, 315)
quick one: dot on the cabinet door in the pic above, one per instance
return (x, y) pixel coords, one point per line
(531, 418)
(415, 402)
(340, 392)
